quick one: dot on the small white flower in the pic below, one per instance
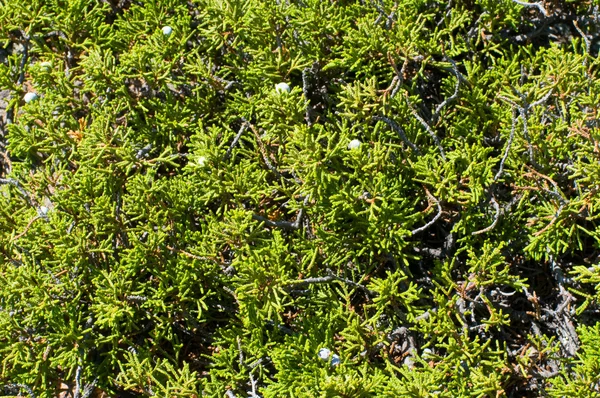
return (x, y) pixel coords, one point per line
(354, 144)
(324, 353)
(201, 161)
(335, 360)
(43, 211)
(282, 88)
(30, 97)
(167, 30)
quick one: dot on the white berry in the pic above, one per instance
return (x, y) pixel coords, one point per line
(282, 88)
(335, 360)
(354, 144)
(201, 161)
(324, 353)
(30, 97)
(167, 30)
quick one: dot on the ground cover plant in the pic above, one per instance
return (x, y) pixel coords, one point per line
(299, 198)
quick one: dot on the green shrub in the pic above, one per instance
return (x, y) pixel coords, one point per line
(415, 216)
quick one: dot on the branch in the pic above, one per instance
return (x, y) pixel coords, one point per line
(17, 184)
(496, 217)
(305, 91)
(524, 111)
(437, 216)
(556, 215)
(243, 128)
(453, 97)
(261, 147)
(394, 126)
(538, 5)
(331, 278)
(288, 225)
(508, 144)
(24, 387)
(427, 128)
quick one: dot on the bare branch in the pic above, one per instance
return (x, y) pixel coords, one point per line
(284, 224)
(551, 223)
(508, 144)
(241, 357)
(331, 278)
(17, 184)
(453, 97)
(305, 91)
(24, 387)
(524, 111)
(263, 152)
(29, 224)
(541, 100)
(77, 382)
(243, 128)
(538, 5)
(496, 217)
(437, 216)
(427, 128)
(394, 126)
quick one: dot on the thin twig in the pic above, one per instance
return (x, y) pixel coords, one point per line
(305, 91)
(398, 130)
(24, 387)
(427, 128)
(588, 45)
(496, 217)
(541, 100)
(508, 144)
(243, 128)
(288, 225)
(453, 97)
(77, 382)
(524, 111)
(331, 278)
(551, 223)
(26, 228)
(241, 357)
(437, 216)
(538, 5)
(263, 151)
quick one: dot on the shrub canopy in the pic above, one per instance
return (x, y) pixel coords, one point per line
(299, 198)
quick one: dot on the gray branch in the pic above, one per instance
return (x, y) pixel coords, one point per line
(24, 387)
(430, 223)
(508, 144)
(19, 187)
(496, 217)
(539, 6)
(453, 97)
(331, 278)
(243, 128)
(427, 128)
(394, 126)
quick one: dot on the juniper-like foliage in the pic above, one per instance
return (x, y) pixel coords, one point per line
(413, 213)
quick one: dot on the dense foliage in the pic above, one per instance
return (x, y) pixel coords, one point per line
(413, 213)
